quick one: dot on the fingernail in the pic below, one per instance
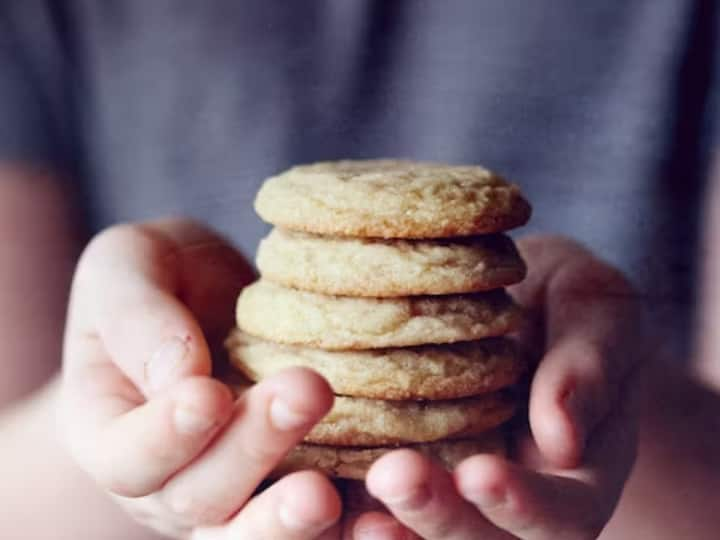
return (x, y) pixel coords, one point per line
(165, 363)
(285, 418)
(414, 500)
(190, 422)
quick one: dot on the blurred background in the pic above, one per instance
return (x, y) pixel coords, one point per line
(605, 113)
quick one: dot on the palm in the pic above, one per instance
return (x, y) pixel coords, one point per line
(573, 456)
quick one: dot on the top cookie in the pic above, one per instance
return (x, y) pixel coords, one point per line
(391, 199)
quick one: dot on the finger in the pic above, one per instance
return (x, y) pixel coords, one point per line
(127, 291)
(301, 506)
(592, 324)
(422, 496)
(366, 517)
(131, 448)
(212, 273)
(569, 505)
(527, 504)
(375, 526)
(569, 394)
(270, 418)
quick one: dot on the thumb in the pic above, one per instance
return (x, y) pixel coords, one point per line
(126, 294)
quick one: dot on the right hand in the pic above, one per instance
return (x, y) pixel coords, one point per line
(140, 413)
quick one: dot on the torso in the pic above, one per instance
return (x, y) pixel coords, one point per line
(187, 108)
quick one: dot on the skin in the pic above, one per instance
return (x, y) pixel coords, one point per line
(33, 299)
(707, 367)
(580, 445)
(153, 430)
(38, 256)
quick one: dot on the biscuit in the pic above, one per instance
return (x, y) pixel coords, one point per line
(422, 372)
(373, 422)
(353, 463)
(391, 199)
(284, 315)
(377, 267)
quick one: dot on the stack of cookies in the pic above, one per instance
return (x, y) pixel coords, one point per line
(387, 278)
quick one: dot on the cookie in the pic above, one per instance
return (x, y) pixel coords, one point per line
(380, 268)
(284, 315)
(353, 463)
(391, 199)
(423, 372)
(373, 422)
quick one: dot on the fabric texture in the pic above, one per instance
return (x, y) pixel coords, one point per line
(604, 112)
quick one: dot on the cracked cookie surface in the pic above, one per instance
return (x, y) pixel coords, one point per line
(373, 422)
(423, 372)
(386, 268)
(391, 199)
(284, 315)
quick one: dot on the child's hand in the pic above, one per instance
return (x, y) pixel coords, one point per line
(588, 337)
(140, 413)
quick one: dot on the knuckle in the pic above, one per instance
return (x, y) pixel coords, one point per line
(113, 482)
(100, 383)
(116, 480)
(442, 528)
(590, 363)
(194, 511)
(150, 512)
(119, 240)
(163, 450)
(142, 475)
(258, 452)
(103, 247)
(109, 239)
(525, 519)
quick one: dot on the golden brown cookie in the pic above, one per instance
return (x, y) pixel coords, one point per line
(379, 268)
(391, 199)
(284, 315)
(372, 422)
(423, 372)
(351, 462)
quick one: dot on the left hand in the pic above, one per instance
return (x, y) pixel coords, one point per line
(573, 463)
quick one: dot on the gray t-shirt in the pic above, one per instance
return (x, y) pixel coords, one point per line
(604, 112)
